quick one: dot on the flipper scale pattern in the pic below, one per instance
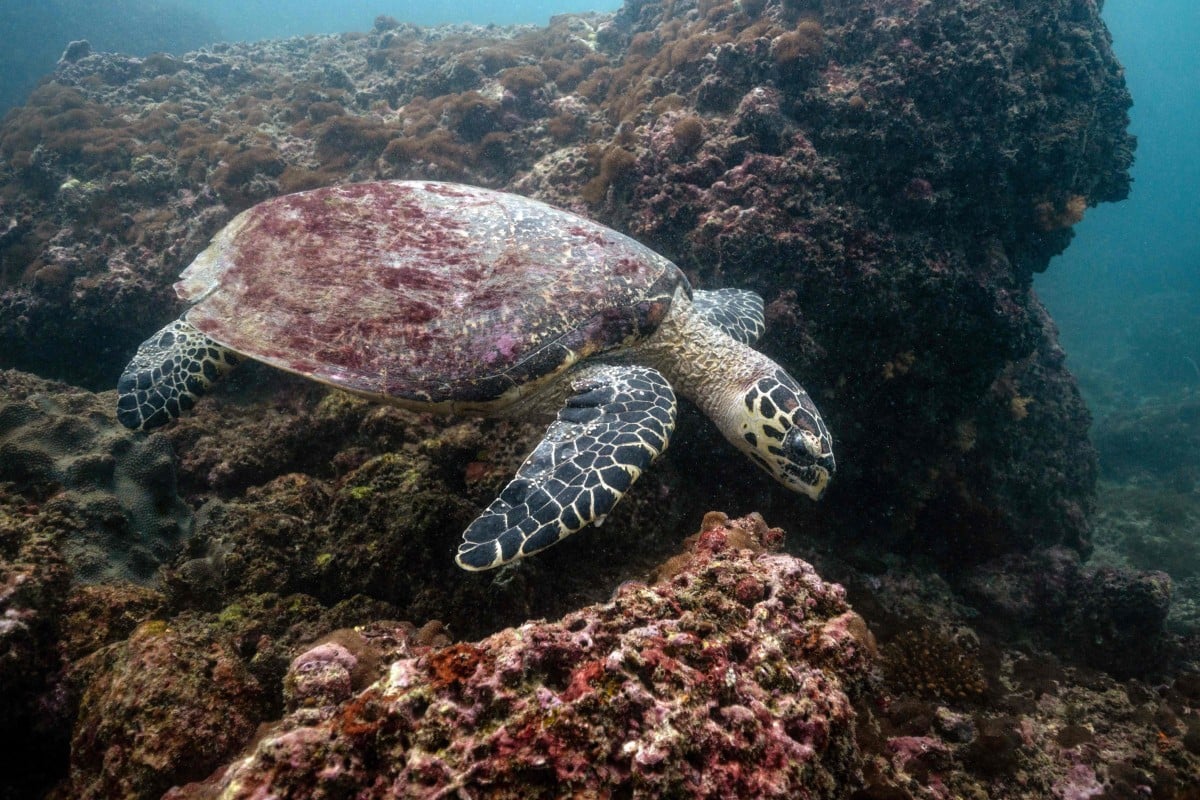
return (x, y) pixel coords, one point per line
(617, 422)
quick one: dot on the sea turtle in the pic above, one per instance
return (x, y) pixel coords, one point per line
(452, 298)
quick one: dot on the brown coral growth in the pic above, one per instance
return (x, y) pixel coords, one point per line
(1052, 216)
(933, 665)
(615, 165)
(807, 41)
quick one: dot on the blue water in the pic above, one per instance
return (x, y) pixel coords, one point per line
(1127, 291)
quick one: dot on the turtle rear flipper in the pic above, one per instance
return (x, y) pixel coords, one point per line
(169, 371)
(616, 424)
(738, 312)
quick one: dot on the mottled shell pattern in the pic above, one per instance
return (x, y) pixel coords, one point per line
(421, 291)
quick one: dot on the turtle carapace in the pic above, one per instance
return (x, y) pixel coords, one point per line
(452, 298)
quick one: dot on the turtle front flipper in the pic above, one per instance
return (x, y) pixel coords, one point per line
(169, 371)
(616, 424)
(738, 312)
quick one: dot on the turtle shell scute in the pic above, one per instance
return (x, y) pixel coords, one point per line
(423, 291)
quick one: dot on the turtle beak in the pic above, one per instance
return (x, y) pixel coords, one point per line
(810, 464)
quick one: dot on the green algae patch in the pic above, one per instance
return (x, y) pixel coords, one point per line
(232, 614)
(150, 629)
(360, 492)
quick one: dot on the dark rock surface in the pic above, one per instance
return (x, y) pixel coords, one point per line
(1112, 618)
(59, 444)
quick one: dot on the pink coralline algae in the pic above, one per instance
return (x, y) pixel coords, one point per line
(1080, 784)
(732, 676)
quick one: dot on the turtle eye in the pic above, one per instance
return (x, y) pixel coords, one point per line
(808, 464)
(802, 445)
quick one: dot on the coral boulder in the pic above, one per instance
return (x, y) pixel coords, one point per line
(731, 676)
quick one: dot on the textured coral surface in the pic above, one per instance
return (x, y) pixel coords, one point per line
(729, 677)
(58, 444)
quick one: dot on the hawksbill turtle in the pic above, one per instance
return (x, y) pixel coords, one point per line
(457, 299)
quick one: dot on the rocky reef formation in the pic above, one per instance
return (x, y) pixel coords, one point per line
(45, 34)
(59, 444)
(141, 690)
(887, 174)
(1153, 443)
(1111, 619)
(34, 580)
(733, 668)
(731, 676)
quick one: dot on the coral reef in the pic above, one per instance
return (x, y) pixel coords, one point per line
(63, 445)
(1027, 441)
(709, 660)
(888, 174)
(731, 677)
(831, 158)
(1155, 527)
(539, 702)
(126, 738)
(34, 579)
(129, 26)
(171, 699)
(931, 664)
(1112, 619)
(383, 514)
(1153, 442)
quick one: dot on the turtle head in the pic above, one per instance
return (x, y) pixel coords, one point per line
(782, 431)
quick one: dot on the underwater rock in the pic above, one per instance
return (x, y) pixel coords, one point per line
(47, 625)
(133, 664)
(274, 424)
(971, 708)
(172, 700)
(731, 676)
(1108, 618)
(319, 676)
(888, 175)
(80, 48)
(165, 703)
(62, 446)
(1155, 443)
(1026, 440)
(34, 581)
(387, 524)
(1149, 526)
(350, 659)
